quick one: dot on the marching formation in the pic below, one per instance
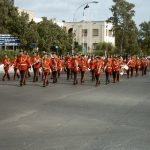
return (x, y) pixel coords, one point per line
(72, 66)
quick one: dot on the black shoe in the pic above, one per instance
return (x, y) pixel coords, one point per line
(47, 83)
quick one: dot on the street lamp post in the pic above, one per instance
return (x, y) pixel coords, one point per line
(84, 4)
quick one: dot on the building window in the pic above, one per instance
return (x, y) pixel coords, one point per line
(84, 32)
(94, 46)
(84, 46)
(95, 32)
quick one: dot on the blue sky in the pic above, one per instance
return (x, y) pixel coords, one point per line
(64, 9)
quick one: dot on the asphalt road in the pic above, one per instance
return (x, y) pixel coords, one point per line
(82, 117)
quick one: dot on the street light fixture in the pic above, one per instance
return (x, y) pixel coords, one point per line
(94, 2)
(84, 4)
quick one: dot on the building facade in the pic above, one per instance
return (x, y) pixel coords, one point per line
(90, 33)
(29, 12)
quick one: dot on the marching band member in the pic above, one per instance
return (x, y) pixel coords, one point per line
(68, 66)
(131, 65)
(75, 68)
(15, 64)
(36, 64)
(108, 69)
(46, 66)
(6, 63)
(144, 65)
(137, 65)
(115, 69)
(23, 63)
(54, 67)
(91, 66)
(60, 65)
(28, 74)
(83, 66)
(98, 64)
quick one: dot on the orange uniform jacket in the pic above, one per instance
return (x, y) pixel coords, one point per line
(108, 66)
(137, 63)
(75, 65)
(46, 64)
(115, 65)
(23, 62)
(15, 63)
(6, 63)
(92, 64)
(83, 64)
(98, 67)
(131, 63)
(36, 61)
(68, 62)
(54, 66)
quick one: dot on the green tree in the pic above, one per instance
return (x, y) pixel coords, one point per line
(13, 23)
(52, 35)
(46, 33)
(5, 9)
(144, 37)
(31, 34)
(18, 26)
(103, 48)
(125, 29)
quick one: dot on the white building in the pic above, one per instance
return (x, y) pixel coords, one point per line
(90, 33)
(29, 12)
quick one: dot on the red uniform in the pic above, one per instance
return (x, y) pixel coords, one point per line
(6, 63)
(15, 64)
(137, 65)
(36, 61)
(108, 70)
(46, 65)
(36, 64)
(54, 68)
(23, 63)
(98, 70)
(131, 64)
(75, 65)
(144, 65)
(60, 66)
(91, 67)
(108, 66)
(75, 69)
(83, 65)
(68, 66)
(115, 69)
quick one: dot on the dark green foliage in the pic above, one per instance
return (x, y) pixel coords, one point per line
(45, 34)
(125, 29)
(144, 37)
